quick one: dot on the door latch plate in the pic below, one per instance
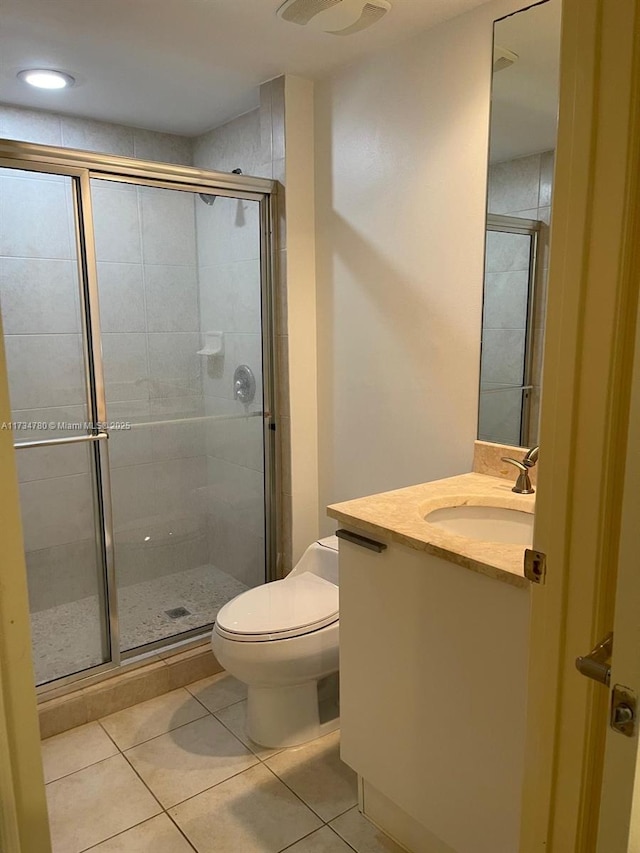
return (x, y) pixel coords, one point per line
(624, 710)
(535, 566)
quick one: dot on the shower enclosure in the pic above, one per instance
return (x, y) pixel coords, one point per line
(137, 318)
(510, 366)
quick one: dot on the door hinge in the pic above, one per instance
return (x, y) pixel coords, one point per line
(535, 566)
(624, 710)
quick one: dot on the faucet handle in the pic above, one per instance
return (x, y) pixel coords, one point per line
(515, 462)
(523, 483)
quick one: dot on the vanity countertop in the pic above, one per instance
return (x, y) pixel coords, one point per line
(399, 516)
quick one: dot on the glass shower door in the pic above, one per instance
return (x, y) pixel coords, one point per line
(44, 317)
(506, 380)
(180, 289)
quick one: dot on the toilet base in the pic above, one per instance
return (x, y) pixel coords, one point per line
(290, 715)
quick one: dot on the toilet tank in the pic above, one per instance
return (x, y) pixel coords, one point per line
(320, 558)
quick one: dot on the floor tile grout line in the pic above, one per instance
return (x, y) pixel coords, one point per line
(162, 808)
(181, 831)
(309, 834)
(258, 761)
(259, 757)
(115, 835)
(197, 698)
(80, 769)
(304, 803)
(354, 806)
(155, 737)
(335, 832)
(302, 838)
(211, 787)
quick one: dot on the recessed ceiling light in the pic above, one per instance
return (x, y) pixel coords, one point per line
(45, 78)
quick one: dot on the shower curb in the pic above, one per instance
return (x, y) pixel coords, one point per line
(129, 685)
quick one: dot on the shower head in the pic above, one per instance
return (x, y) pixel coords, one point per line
(209, 199)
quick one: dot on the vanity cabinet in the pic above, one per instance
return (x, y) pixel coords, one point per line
(433, 672)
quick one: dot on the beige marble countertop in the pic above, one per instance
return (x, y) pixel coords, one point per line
(399, 516)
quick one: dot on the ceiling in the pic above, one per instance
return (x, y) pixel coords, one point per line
(524, 98)
(180, 66)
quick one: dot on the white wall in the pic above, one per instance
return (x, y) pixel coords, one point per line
(401, 152)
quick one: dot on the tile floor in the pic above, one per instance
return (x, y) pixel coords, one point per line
(178, 774)
(65, 639)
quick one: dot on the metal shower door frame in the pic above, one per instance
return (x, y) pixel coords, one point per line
(81, 167)
(531, 228)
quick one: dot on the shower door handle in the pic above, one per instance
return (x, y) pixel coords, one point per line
(52, 442)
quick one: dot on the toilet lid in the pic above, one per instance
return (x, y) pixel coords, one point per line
(287, 608)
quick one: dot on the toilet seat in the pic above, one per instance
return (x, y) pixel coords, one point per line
(276, 611)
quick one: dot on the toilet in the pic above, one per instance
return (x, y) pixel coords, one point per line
(281, 640)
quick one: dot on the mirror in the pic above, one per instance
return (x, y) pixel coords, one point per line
(524, 107)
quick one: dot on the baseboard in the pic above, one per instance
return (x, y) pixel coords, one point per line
(396, 823)
(132, 683)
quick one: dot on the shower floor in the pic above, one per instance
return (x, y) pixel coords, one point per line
(65, 639)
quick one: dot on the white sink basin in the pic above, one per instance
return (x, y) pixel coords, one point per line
(486, 523)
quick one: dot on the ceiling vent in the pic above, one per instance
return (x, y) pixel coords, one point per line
(337, 17)
(503, 58)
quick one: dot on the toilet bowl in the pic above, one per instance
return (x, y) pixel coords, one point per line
(281, 640)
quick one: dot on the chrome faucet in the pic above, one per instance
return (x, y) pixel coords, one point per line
(523, 483)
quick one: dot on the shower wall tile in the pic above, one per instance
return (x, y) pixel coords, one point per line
(130, 446)
(235, 145)
(500, 412)
(235, 551)
(547, 165)
(507, 252)
(503, 356)
(277, 117)
(230, 297)
(511, 192)
(116, 223)
(99, 136)
(174, 364)
(41, 128)
(62, 573)
(47, 128)
(163, 147)
(146, 248)
(237, 440)
(168, 408)
(133, 496)
(126, 373)
(505, 300)
(228, 231)
(55, 422)
(218, 373)
(121, 291)
(45, 370)
(230, 300)
(514, 184)
(39, 296)
(179, 484)
(168, 235)
(171, 298)
(34, 218)
(180, 440)
(237, 492)
(43, 463)
(56, 511)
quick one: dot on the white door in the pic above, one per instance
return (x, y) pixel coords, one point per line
(619, 825)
